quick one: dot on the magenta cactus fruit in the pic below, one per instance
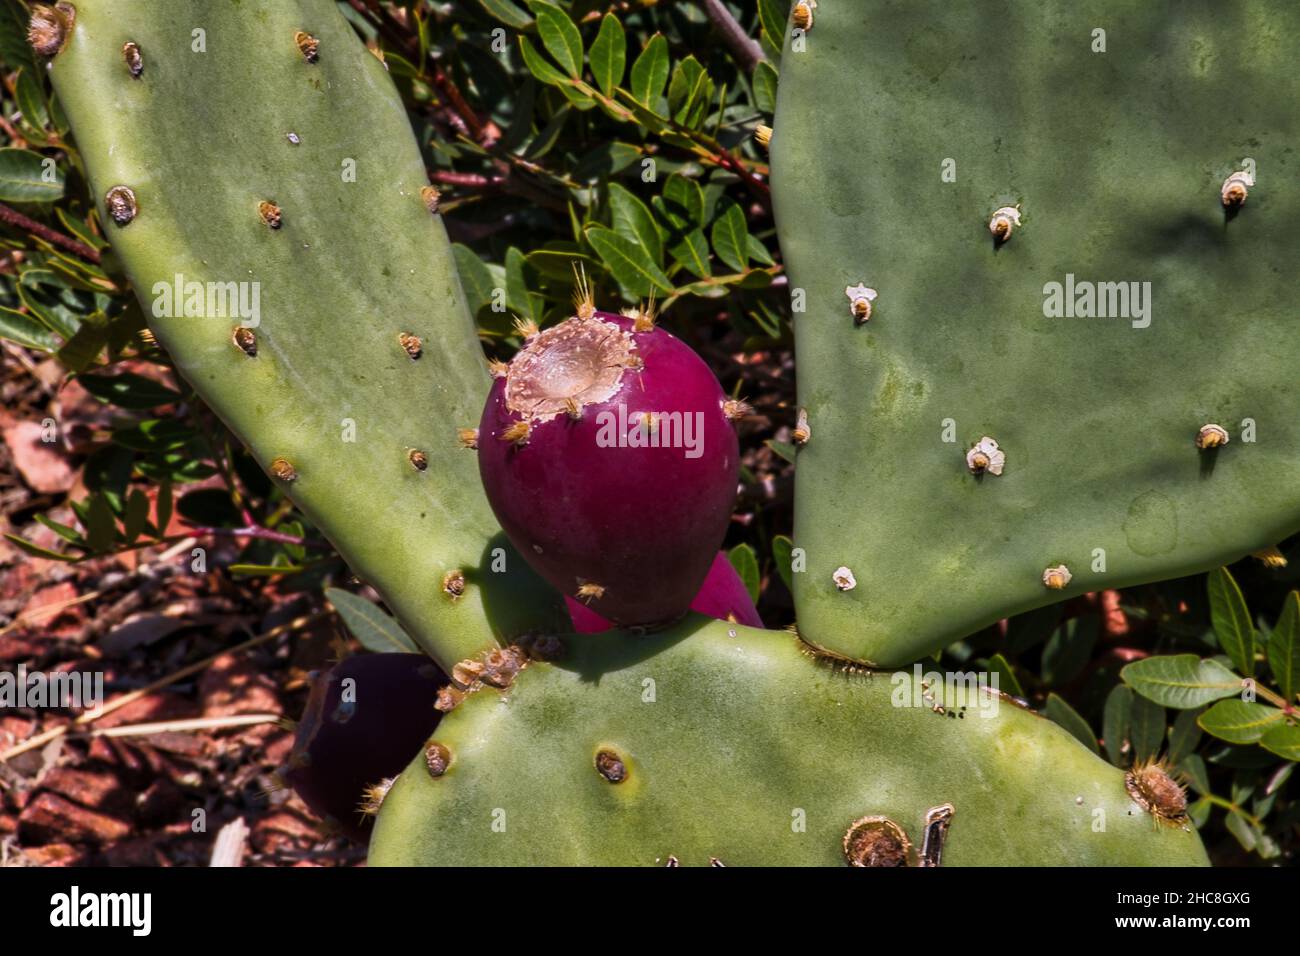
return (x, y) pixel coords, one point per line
(723, 596)
(366, 717)
(608, 453)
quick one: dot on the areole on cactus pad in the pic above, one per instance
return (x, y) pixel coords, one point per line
(1048, 254)
(608, 455)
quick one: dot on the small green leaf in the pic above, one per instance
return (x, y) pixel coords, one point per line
(163, 507)
(375, 630)
(650, 71)
(30, 96)
(26, 177)
(1197, 775)
(539, 66)
(62, 530)
(559, 35)
(764, 81)
(1184, 735)
(682, 202)
(1006, 675)
(475, 277)
(745, 561)
(1069, 649)
(26, 331)
(129, 390)
(1184, 681)
(37, 551)
(1231, 620)
(629, 263)
(782, 449)
(1284, 647)
(1147, 729)
(507, 13)
(1283, 741)
(101, 526)
(633, 220)
(684, 88)
(137, 515)
(782, 557)
(771, 17)
(608, 54)
(691, 252)
(730, 236)
(1116, 722)
(80, 352)
(1239, 721)
(1066, 716)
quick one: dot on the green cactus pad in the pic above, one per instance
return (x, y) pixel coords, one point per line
(1116, 160)
(735, 744)
(232, 110)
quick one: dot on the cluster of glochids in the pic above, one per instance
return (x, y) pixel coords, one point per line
(583, 430)
(985, 456)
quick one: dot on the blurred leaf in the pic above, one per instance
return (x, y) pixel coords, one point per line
(1146, 729)
(508, 13)
(1284, 647)
(1182, 680)
(80, 352)
(1007, 681)
(154, 435)
(771, 17)
(608, 54)
(15, 51)
(475, 277)
(128, 390)
(26, 331)
(163, 507)
(1231, 620)
(782, 449)
(628, 262)
(210, 507)
(1069, 649)
(1066, 716)
(1184, 735)
(1116, 722)
(101, 526)
(745, 561)
(1283, 741)
(24, 177)
(1239, 721)
(58, 318)
(1026, 630)
(764, 80)
(37, 551)
(1197, 775)
(137, 515)
(62, 530)
(730, 237)
(1240, 828)
(559, 35)
(650, 71)
(30, 96)
(782, 547)
(375, 630)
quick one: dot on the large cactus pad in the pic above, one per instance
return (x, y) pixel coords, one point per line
(719, 742)
(260, 142)
(901, 129)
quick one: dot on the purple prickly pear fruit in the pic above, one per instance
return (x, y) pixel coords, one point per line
(608, 453)
(723, 596)
(366, 718)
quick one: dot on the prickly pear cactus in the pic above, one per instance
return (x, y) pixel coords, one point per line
(1042, 249)
(261, 145)
(715, 742)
